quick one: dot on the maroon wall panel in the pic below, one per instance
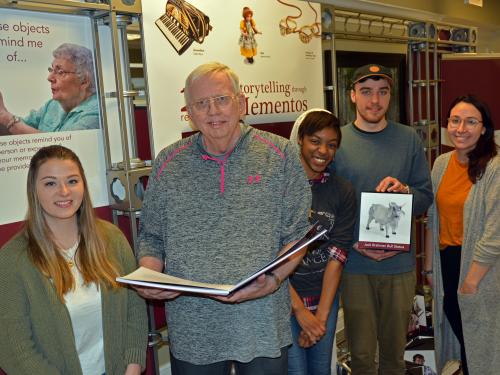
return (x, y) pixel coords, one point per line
(142, 133)
(480, 77)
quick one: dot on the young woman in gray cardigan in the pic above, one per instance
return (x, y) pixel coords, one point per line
(61, 310)
(465, 272)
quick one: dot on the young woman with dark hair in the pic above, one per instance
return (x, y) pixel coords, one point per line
(462, 259)
(485, 148)
(314, 284)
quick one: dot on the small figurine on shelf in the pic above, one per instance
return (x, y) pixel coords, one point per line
(248, 44)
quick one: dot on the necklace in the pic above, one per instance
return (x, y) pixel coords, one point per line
(69, 254)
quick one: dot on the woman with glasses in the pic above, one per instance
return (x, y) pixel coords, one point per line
(61, 309)
(462, 259)
(74, 103)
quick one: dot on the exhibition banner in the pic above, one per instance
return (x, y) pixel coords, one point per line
(46, 101)
(275, 50)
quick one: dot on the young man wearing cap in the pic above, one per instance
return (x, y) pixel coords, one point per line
(378, 286)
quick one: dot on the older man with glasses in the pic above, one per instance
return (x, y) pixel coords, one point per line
(74, 103)
(219, 205)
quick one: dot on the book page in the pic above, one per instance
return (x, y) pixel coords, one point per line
(150, 276)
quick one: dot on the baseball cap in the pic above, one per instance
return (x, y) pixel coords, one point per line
(371, 70)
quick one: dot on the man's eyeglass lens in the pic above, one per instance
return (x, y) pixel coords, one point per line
(220, 101)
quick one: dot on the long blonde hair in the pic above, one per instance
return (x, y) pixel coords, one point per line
(92, 258)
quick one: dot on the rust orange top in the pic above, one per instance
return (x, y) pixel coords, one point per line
(450, 198)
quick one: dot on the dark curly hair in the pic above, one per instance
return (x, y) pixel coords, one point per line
(317, 121)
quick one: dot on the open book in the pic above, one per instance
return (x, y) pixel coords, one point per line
(149, 278)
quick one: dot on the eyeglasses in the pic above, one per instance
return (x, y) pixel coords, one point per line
(58, 71)
(220, 102)
(469, 122)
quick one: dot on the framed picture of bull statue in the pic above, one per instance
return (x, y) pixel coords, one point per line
(385, 221)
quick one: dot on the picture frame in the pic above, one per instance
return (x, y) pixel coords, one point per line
(385, 221)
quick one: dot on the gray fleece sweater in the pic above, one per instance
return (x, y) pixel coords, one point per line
(218, 220)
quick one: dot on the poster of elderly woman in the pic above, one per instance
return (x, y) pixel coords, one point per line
(49, 94)
(73, 105)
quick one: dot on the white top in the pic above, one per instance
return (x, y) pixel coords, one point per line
(85, 310)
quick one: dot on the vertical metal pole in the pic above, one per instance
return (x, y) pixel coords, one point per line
(334, 70)
(133, 227)
(119, 90)
(411, 106)
(146, 86)
(428, 100)
(114, 214)
(100, 89)
(152, 332)
(437, 119)
(128, 93)
(418, 56)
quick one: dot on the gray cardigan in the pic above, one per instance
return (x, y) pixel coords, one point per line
(481, 243)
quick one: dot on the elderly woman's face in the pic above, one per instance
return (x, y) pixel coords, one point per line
(65, 84)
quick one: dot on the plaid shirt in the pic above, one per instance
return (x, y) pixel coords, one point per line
(337, 253)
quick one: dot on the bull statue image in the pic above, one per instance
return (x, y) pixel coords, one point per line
(385, 216)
